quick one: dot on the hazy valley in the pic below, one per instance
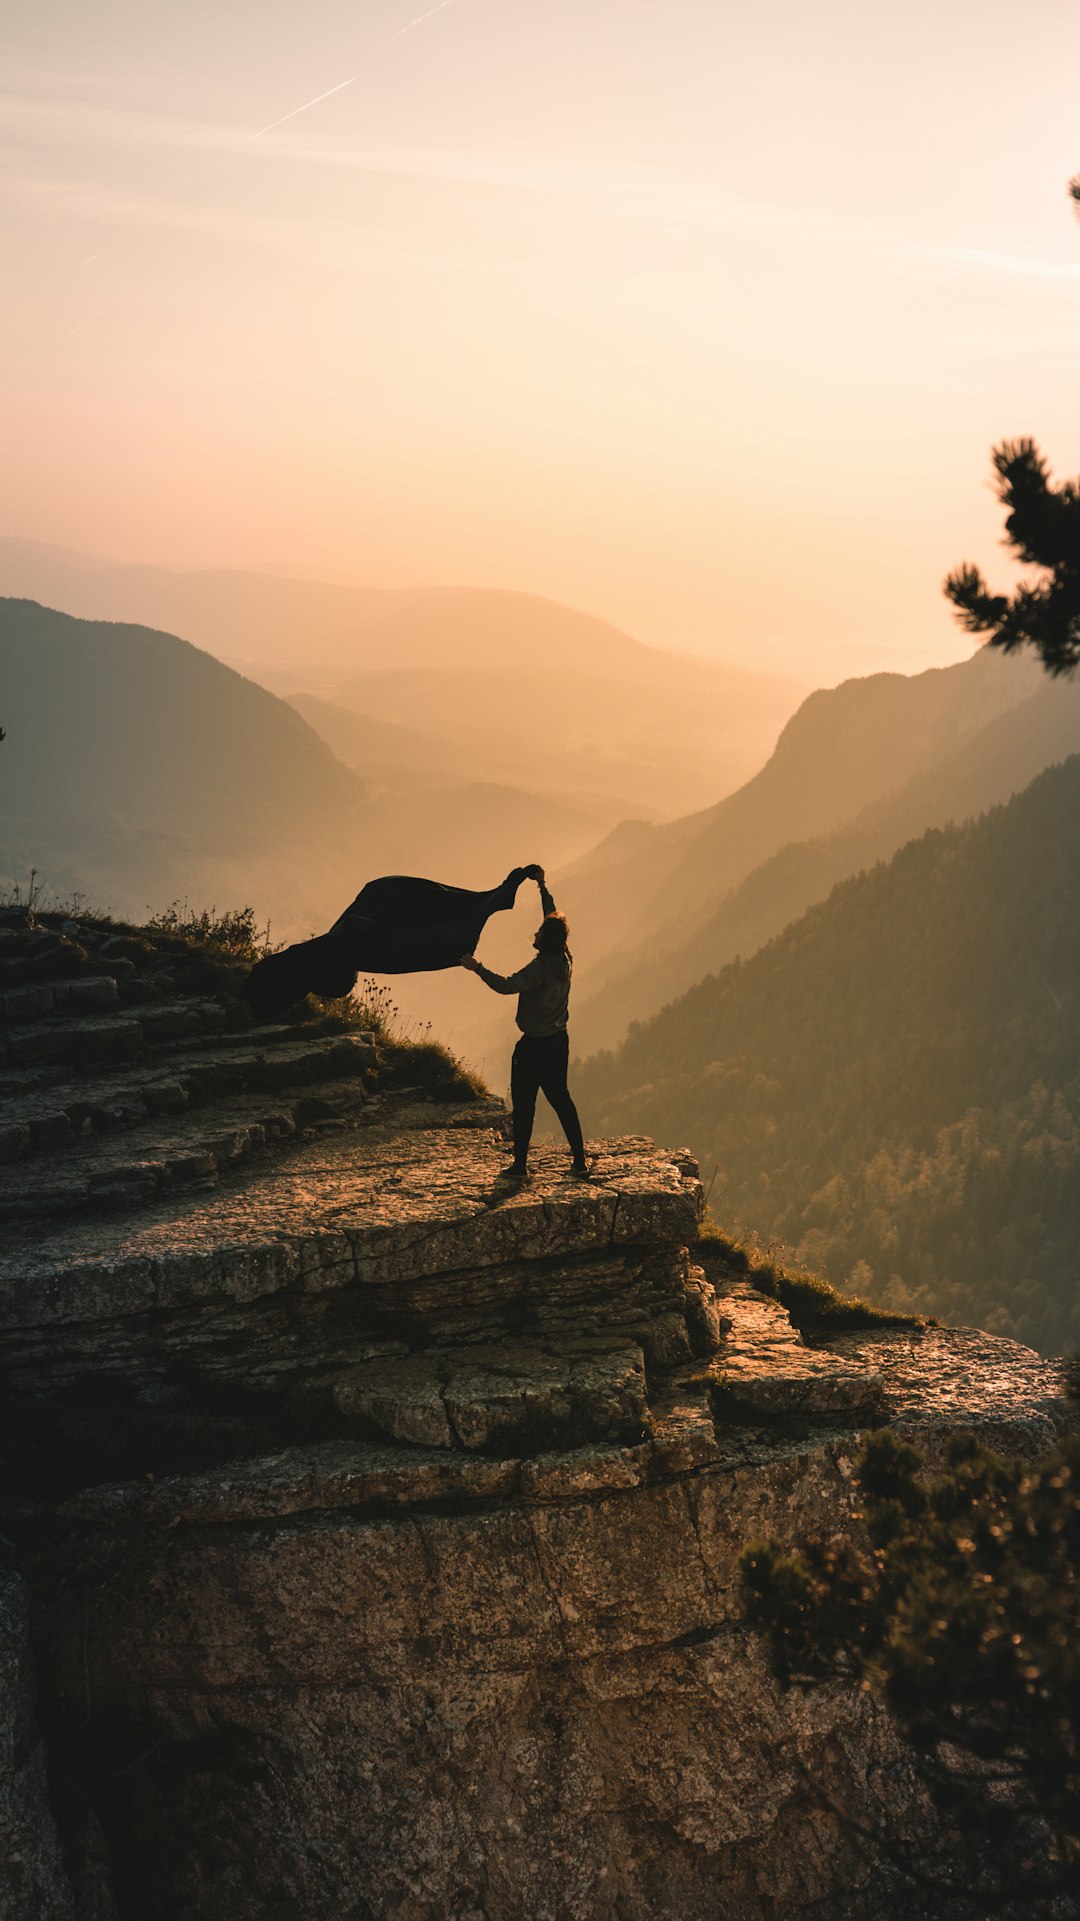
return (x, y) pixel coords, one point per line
(502, 687)
(141, 769)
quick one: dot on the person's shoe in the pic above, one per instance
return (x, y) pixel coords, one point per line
(581, 1171)
(515, 1173)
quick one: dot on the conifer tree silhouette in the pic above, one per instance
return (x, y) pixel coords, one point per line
(1042, 527)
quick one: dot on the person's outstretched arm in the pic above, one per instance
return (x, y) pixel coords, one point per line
(502, 983)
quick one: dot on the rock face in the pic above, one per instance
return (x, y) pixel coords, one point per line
(34, 1881)
(383, 1521)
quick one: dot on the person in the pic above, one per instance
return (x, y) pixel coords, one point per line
(542, 1054)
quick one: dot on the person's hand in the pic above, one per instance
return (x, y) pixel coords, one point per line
(470, 961)
(535, 872)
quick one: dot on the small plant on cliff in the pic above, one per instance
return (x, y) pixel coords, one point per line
(960, 1606)
(416, 1058)
(234, 929)
(813, 1304)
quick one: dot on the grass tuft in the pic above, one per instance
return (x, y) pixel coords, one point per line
(233, 930)
(815, 1306)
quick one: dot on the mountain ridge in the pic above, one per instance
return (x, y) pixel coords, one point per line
(558, 688)
(989, 765)
(844, 749)
(892, 1084)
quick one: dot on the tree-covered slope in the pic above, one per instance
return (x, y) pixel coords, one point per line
(989, 763)
(892, 1086)
(847, 748)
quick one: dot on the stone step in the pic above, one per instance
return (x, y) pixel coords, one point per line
(39, 954)
(40, 1000)
(764, 1366)
(73, 1042)
(136, 1166)
(44, 1115)
(86, 1040)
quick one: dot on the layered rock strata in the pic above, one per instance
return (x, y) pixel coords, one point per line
(387, 1560)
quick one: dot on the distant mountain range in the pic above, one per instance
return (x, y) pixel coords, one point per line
(420, 776)
(516, 689)
(138, 769)
(892, 1086)
(859, 770)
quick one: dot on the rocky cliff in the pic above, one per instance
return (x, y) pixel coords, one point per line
(380, 1522)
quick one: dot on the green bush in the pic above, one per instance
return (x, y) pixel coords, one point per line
(960, 1605)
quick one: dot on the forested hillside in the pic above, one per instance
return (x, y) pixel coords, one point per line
(992, 760)
(892, 1086)
(646, 891)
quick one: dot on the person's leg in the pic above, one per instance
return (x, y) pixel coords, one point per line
(524, 1087)
(553, 1082)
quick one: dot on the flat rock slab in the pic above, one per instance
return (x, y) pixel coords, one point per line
(329, 1477)
(763, 1363)
(507, 1396)
(936, 1379)
(390, 1206)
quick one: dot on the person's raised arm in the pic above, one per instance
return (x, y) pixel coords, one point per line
(535, 872)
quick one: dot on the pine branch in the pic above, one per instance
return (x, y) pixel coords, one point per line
(1042, 528)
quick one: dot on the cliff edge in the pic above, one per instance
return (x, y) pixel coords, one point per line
(381, 1523)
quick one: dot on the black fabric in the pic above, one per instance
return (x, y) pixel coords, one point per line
(539, 1066)
(396, 925)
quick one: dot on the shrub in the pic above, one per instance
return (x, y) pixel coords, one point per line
(960, 1606)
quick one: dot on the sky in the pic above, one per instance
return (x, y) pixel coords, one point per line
(702, 317)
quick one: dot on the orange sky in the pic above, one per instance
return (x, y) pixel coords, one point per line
(701, 317)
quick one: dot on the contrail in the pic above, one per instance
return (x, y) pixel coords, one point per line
(307, 103)
(269, 128)
(415, 23)
(84, 263)
(85, 323)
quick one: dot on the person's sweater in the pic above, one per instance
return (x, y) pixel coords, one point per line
(543, 990)
(542, 986)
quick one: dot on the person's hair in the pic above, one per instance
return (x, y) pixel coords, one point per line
(554, 933)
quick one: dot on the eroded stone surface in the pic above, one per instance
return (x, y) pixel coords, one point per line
(477, 1398)
(550, 1647)
(763, 1363)
(33, 1884)
(937, 1379)
(442, 1619)
(560, 1663)
(352, 1238)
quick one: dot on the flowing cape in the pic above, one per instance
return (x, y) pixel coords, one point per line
(396, 925)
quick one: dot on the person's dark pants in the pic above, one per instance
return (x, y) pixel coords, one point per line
(539, 1066)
